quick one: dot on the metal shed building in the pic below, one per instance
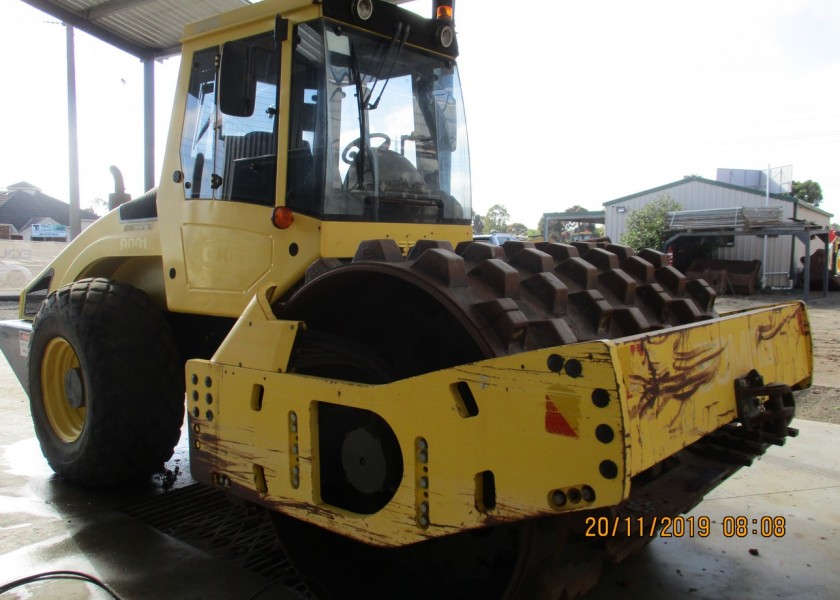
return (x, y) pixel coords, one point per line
(697, 193)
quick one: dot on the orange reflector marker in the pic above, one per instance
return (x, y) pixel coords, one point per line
(444, 13)
(282, 217)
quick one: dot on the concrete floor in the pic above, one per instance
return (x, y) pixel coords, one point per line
(800, 482)
(45, 525)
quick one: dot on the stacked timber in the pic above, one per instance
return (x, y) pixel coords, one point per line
(762, 216)
(724, 218)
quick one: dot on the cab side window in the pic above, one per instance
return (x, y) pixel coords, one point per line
(233, 156)
(307, 125)
(199, 134)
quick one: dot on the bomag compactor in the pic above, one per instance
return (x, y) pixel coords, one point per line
(424, 416)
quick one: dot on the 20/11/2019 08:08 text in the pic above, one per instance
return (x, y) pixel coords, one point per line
(682, 526)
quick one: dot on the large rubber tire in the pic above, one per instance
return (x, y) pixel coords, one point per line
(439, 308)
(106, 384)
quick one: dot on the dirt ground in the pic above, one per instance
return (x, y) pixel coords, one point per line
(819, 403)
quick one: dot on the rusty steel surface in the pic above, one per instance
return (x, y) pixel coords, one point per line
(539, 387)
(532, 414)
(664, 375)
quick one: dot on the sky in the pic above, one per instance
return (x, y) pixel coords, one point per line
(568, 103)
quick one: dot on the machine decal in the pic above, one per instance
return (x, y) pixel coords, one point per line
(24, 343)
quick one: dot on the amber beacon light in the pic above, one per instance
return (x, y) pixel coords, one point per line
(445, 12)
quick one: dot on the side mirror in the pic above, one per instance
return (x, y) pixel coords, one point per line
(237, 84)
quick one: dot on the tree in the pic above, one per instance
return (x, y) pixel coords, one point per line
(99, 206)
(496, 219)
(575, 226)
(807, 191)
(518, 229)
(646, 226)
(478, 224)
(562, 231)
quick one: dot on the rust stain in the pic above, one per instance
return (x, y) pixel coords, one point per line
(228, 457)
(288, 506)
(804, 328)
(504, 515)
(770, 330)
(692, 369)
(345, 526)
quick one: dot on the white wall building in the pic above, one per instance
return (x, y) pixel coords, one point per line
(697, 193)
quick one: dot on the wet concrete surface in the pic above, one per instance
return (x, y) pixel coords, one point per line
(47, 525)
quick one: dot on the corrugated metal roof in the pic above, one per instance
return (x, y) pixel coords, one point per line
(721, 184)
(144, 28)
(147, 29)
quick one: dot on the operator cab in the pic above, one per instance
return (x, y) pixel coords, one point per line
(376, 126)
(383, 124)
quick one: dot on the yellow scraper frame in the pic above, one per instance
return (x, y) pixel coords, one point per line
(554, 430)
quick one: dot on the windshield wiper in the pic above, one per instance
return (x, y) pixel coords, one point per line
(363, 100)
(360, 107)
(394, 40)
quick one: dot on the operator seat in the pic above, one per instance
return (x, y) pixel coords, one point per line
(396, 174)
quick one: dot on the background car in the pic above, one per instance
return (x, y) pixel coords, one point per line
(495, 238)
(14, 275)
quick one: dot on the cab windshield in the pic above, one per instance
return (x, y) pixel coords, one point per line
(393, 119)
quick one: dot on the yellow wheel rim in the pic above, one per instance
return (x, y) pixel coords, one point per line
(65, 419)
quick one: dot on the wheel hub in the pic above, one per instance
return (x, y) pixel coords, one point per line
(63, 391)
(360, 459)
(364, 461)
(73, 388)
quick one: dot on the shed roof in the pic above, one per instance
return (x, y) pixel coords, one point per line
(590, 216)
(22, 207)
(695, 178)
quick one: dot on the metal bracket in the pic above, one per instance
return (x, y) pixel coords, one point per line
(758, 425)
(765, 422)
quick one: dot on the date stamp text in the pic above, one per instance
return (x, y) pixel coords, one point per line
(685, 526)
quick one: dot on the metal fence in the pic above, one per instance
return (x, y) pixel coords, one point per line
(22, 260)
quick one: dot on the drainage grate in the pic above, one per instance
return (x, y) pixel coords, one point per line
(205, 519)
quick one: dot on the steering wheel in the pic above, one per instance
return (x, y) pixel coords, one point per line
(345, 154)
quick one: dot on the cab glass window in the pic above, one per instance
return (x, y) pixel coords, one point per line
(307, 122)
(376, 130)
(198, 138)
(232, 156)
